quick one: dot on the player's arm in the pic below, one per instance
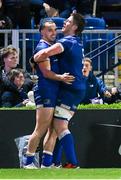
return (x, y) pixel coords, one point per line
(47, 73)
(50, 51)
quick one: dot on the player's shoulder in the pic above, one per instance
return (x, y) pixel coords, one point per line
(66, 39)
(41, 45)
(71, 39)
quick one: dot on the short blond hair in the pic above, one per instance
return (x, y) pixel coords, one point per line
(87, 59)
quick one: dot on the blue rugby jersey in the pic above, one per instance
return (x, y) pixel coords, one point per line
(54, 67)
(71, 61)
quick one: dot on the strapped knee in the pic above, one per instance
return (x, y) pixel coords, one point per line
(62, 113)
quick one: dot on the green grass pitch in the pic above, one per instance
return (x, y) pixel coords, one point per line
(100, 173)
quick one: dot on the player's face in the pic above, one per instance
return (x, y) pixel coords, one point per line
(68, 27)
(11, 60)
(49, 32)
(86, 68)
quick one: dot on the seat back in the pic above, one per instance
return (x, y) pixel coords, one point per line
(95, 23)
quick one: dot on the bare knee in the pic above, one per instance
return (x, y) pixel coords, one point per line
(60, 126)
(62, 118)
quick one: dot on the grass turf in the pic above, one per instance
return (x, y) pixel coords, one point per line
(100, 173)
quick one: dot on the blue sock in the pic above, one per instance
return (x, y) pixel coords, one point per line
(66, 140)
(47, 158)
(57, 153)
(28, 160)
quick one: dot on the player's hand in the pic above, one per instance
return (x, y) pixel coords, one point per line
(66, 78)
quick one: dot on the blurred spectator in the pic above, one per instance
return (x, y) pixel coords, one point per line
(9, 60)
(48, 8)
(13, 94)
(85, 7)
(62, 8)
(116, 95)
(19, 12)
(1, 86)
(5, 23)
(96, 89)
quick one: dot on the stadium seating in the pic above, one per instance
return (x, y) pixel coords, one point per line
(110, 10)
(92, 41)
(36, 2)
(95, 23)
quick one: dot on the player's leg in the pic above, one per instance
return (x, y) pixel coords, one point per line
(48, 147)
(57, 154)
(43, 120)
(45, 103)
(52, 150)
(64, 111)
(65, 136)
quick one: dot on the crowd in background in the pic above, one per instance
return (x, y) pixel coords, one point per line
(15, 83)
(20, 13)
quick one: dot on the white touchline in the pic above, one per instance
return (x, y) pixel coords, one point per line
(109, 125)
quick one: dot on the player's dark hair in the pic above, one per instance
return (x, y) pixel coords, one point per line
(78, 19)
(43, 21)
